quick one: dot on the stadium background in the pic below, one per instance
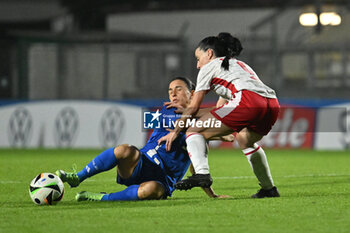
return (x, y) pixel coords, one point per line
(127, 52)
(77, 75)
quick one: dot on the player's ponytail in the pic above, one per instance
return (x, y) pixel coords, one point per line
(223, 45)
(232, 45)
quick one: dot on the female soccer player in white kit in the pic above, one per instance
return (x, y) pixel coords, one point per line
(246, 106)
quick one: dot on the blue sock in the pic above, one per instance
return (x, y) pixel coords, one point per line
(103, 162)
(128, 194)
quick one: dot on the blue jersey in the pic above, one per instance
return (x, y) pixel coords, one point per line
(174, 162)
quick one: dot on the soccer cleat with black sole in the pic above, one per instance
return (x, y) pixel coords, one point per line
(262, 193)
(196, 180)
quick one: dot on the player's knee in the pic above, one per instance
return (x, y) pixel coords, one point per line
(243, 140)
(151, 190)
(192, 130)
(197, 131)
(206, 136)
(123, 151)
(247, 138)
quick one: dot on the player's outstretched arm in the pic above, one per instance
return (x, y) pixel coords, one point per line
(209, 191)
(202, 111)
(221, 101)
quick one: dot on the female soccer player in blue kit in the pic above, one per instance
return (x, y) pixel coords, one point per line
(151, 172)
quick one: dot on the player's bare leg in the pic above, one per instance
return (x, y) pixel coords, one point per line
(128, 156)
(151, 190)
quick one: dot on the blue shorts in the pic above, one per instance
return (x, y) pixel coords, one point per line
(146, 170)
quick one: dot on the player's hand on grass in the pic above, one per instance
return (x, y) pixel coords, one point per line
(223, 196)
(179, 108)
(168, 139)
(210, 191)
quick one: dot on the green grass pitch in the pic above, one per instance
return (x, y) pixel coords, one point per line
(314, 187)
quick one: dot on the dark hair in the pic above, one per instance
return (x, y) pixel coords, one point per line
(189, 84)
(223, 45)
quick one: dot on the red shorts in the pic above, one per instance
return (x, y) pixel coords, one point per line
(248, 109)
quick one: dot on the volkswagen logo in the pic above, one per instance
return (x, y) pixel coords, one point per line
(66, 127)
(111, 127)
(20, 127)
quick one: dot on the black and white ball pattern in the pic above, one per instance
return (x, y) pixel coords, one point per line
(46, 189)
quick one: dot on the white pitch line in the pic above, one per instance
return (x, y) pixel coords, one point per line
(215, 177)
(10, 182)
(20, 182)
(289, 176)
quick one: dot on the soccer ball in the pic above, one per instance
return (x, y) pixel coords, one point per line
(46, 189)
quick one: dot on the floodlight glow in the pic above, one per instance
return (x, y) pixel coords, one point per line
(308, 19)
(326, 18)
(330, 18)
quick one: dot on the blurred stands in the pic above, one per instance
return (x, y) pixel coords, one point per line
(131, 49)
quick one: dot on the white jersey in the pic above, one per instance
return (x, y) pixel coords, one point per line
(227, 82)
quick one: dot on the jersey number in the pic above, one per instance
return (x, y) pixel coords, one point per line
(252, 74)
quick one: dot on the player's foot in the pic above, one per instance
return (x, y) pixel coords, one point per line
(196, 180)
(70, 177)
(273, 192)
(88, 196)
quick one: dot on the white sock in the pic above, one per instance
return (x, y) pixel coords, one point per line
(257, 159)
(198, 152)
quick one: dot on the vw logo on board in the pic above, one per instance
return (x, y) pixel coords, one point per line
(20, 127)
(66, 127)
(112, 127)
